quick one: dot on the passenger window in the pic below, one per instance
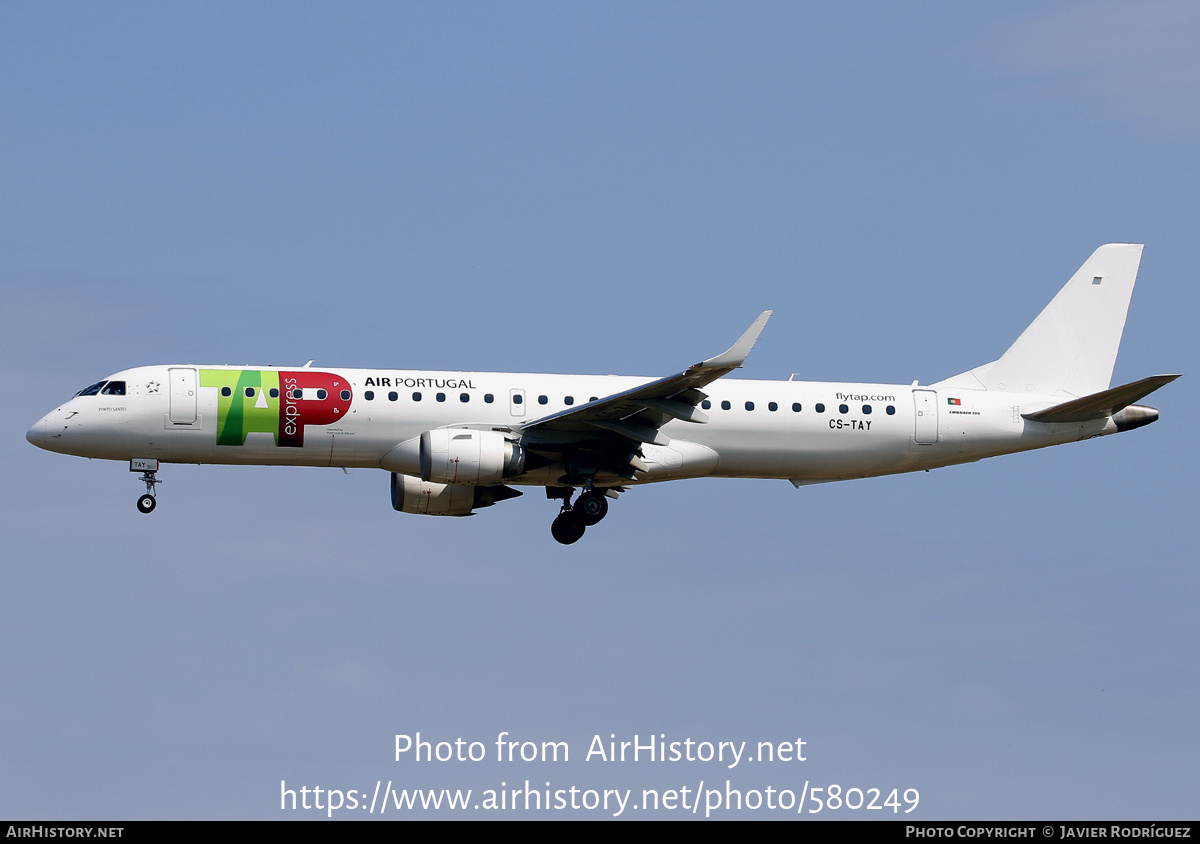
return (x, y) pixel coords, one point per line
(274, 392)
(772, 407)
(820, 408)
(345, 395)
(296, 394)
(593, 398)
(517, 398)
(749, 405)
(569, 400)
(226, 392)
(796, 407)
(725, 405)
(891, 411)
(867, 409)
(464, 398)
(322, 395)
(416, 396)
(843, 409)
(114, 388)
(369, 395)
(542, 399)
(440, 396)
(489, 398)
(249, 392)
(706, 404)
(393, 395)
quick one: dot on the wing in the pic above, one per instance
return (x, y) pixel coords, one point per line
(605, 435)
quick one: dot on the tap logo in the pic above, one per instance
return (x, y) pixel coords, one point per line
(277, 402)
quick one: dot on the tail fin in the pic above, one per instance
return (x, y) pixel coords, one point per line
(1071, 347)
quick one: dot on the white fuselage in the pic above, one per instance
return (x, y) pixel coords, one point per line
(455, 442)
(797, 430)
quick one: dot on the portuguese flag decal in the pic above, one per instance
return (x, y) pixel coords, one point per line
(954, 401)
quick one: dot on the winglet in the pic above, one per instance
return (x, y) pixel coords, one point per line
(736, 354)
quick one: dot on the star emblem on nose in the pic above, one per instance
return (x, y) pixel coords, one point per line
(152, 387)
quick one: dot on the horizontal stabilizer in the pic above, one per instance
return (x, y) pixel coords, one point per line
(1101, 405)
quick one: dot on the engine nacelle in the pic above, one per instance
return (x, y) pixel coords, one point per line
(413, 495)
(467, 456)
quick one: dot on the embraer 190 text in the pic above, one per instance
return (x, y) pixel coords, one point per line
(455, 442)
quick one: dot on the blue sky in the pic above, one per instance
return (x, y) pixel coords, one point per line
(595, 188)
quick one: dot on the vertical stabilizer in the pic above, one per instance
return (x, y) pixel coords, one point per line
(1072, 346)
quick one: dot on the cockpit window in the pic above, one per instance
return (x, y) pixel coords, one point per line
(92, 390)
(113, 388)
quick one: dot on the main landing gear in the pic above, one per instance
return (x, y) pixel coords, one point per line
(146, 502)
(571, 522)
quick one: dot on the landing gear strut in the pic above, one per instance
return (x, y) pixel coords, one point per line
(145, 503)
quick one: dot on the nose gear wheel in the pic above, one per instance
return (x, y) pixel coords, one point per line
(146, 502)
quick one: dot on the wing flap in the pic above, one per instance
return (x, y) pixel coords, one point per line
(634, 431)
(676, 409)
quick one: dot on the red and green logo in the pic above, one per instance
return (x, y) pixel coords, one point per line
(277, 402)
(954, 401)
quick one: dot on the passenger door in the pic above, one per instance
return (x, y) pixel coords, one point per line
(183, 396)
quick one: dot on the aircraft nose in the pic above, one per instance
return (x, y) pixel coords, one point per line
(37, 434)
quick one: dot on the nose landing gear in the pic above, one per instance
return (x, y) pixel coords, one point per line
(148, 468)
